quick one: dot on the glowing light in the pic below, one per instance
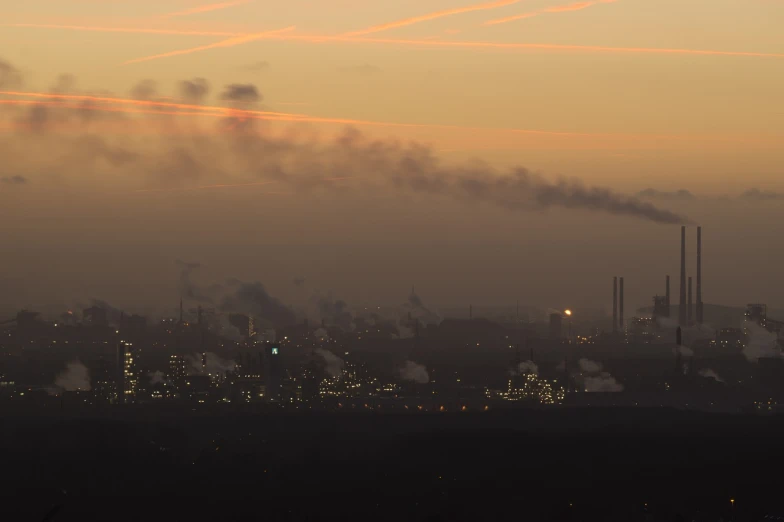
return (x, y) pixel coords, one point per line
(568, 312)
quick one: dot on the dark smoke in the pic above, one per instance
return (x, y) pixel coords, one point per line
(145, 90)
(678, 195)
(252, 299)
(194, 91)
(258, 66)
(190, 291)
(756, 194)
(247, 93)
(299, 282)
(334, 312)
(9, 75)
(13, 180)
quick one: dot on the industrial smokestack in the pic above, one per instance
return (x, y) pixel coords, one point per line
(615, 304)
(691, 315)
(620, 305)
(682, 305)
(667, 294)
(699, 275)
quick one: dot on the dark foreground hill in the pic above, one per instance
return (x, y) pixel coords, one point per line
(580, 464)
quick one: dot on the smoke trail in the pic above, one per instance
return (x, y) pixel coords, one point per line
(75, 377)
(205, 9)
(334, 364)
(412, 371)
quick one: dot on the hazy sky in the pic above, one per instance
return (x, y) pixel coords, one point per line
(99, 196)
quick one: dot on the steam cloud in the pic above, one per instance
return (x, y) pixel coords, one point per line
(216, 365)
(75, 377)
(761, 344)
(596, 380)
(412, 371)
(334, 364)
(157, 377)
(528, 367)
(250, 153)
(710, 374)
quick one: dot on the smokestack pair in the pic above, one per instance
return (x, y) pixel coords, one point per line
(617, 305)
(685, 314)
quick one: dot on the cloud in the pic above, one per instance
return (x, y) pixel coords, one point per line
(194, 91)
(13, 180)
(334, 364)
(678, 195)
(245, 93)
(10, 76)
(259, 66)
(412, 371)
(145, 90)
(361, 70)
(75, 377)
(755, 194)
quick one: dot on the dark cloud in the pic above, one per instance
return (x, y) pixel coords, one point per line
(246, 93)
(756, 194)
(677, 195)
(13, 180)
(361, 70)
(262, 65)
(334, 312)
(299, 281)
(145, 90)
(194, 91)
(10, 76)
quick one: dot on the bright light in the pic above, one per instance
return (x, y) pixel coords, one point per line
(568, 312)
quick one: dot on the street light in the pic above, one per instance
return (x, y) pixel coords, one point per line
(568, 314)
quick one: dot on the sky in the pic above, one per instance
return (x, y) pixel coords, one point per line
(368, 146)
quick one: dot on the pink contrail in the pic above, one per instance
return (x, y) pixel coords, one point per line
(231, 42)
(433, 16)
(205, 9)
(577, 6)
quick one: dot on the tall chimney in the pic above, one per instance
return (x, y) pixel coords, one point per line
(667, 294)
(691, 315)
(620, 306)
(699, 275)
(682, 305)
(615, 304)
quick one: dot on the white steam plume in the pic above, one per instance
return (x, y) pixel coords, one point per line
(75, 377)
(334, 364)
(415, 372)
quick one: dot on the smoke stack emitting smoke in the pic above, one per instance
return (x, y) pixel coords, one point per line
(303, 165)
(594, 379)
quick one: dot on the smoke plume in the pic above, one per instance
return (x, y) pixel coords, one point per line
(334, 364)
(253, 300)
(13, 180)
(194, 91)
(596, 380)
(334, 312)
(678, 195)
(9, 75)
(251, 154)
(75, 377)
(145, 90)
(412, 371)
(756, 194)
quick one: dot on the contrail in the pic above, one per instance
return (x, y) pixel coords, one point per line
(231, 42)
(433, 16)
(207, 187)
(315, 39)
(577, 6)
(205, 9)
(222, 112)
(131, 30)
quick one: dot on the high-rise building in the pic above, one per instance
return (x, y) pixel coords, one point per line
(130, 371)
(556, 326)
(177, 366)
(274, 372)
